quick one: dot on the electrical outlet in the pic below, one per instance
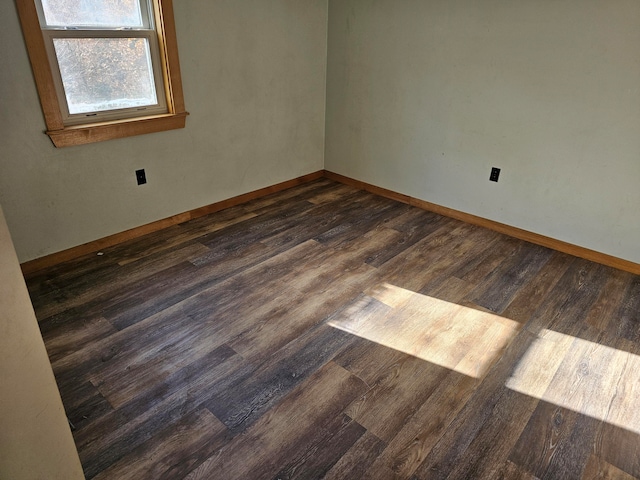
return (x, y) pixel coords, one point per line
(495, 173)
(141, 177)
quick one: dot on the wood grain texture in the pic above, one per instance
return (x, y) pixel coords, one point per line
(357, 459)
(284, 429)
(40, 63)
(598, 469)
(170, 58)
(173, 452)
(515, 232)
(100, 132)
(49, 261)
(325, 332)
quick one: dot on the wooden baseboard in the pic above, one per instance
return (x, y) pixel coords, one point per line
(53, 259)
(515, 232)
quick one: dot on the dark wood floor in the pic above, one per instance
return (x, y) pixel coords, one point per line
(324, 332)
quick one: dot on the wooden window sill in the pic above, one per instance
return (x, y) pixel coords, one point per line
(98, 132)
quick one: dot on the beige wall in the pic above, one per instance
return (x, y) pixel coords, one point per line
(35, 440)
(424, 97)
(254, 83)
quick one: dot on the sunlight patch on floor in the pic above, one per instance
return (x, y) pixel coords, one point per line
(453, 336)
(586, 377)
(574, 373)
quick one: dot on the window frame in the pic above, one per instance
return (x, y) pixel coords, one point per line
(67, 135)
(68, 118)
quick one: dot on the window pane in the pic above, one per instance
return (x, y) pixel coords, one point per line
(105, 73)
(92, 13)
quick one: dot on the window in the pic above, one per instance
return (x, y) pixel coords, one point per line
(104, 58)
(104, 68)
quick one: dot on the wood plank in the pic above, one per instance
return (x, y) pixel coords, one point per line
(278, 432)
(317, 454)
(503, 283)
(63, 337)
(275, 329)
(336, 193)
(511, 471)
(90, 288)
(191, 441)
(176, 289)
(41, 281)
(414, 225)
(488, 254)
(156, 332)
(318, 220)
(421, 432)
(619, 439)
(145, 369)
(598, 469)
(84, 404)
(253, 394)
(193, 377)
(369, 360)
(455, 290)
(306, 191)
(173, 286)
(606, 307)
(574, 293)
(261, 228)
(491, 447)
(357, 459)
(391, 401)
(620, 448)
(374, 213)
(201, 332)
(629, 314)
(113, 436)
(560, 433)
(529, 298)
(443, 457)
(429, 328)
(232, 273)
(442, 250)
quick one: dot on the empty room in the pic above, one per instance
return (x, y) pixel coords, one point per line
(320, 239)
